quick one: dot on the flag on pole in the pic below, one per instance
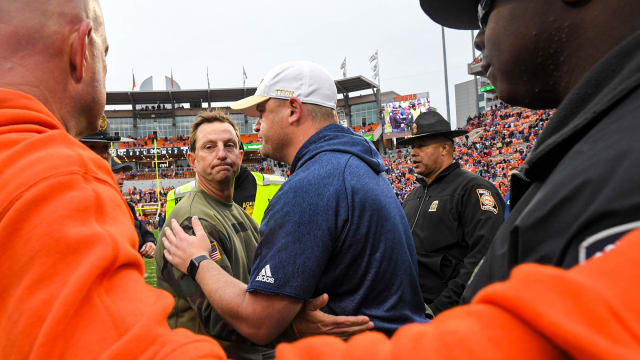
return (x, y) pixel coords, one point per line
(374, 57)
(244, 73)
(373, 60)
(133, 87)
(343, 67)
(171, 78)
(208, 83)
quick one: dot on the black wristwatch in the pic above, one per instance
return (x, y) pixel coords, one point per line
(194, 265)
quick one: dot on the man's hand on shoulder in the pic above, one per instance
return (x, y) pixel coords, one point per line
(180, 247)
(311, 321)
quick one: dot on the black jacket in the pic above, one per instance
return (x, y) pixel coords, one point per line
(144, 235)
(244, 188)
(453, 221)
(579, 189)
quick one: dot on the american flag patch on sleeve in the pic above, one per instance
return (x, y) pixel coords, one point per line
(215, 251)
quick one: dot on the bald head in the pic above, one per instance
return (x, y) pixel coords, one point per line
(55, 51)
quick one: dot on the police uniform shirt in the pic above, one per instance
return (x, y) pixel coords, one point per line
(453, 222)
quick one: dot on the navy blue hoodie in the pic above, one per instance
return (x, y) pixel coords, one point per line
(336, 227)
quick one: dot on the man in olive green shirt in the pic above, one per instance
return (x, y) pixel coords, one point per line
(216, 158)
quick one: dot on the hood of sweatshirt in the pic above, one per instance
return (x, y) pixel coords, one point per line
(337, 138)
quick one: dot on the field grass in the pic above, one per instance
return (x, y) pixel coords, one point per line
(150, 267)
(150, 271)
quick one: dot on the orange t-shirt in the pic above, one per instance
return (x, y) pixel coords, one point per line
(72, 279)
(542, 312)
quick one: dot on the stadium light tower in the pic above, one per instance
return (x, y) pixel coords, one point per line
(446, 75)
(475, 77)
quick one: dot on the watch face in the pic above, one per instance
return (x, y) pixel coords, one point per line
(192, 268)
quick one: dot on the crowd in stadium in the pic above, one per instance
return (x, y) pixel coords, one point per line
(142, 196)
(499, 142)
(368, 129)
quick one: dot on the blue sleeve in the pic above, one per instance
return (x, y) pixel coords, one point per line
(297, 236)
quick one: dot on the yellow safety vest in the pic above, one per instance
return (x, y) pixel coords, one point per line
(174, 196)
(415, 113)
(267, 186)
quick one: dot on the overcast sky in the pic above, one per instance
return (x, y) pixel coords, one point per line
(152, 37)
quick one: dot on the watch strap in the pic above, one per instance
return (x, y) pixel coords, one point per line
(194, 265)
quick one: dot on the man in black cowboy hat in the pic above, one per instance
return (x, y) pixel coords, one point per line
(100, 143)
(453, 214)
(146, 239)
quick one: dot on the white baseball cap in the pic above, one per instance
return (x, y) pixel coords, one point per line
(305, 80)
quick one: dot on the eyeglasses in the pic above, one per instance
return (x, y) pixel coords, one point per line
(485, 7)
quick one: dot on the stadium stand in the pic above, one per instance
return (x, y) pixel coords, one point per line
(365, 130)
(147, 142)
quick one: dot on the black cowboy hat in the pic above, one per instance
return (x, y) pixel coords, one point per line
(431, 123)
(455, 14)
(116, 165)
(102, 135)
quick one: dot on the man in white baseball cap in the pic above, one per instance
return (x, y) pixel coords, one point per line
(307, 81)
(296, 83)
(334, 227)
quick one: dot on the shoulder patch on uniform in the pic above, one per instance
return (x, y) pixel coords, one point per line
(215, 251)
(487, 203)
(434, 206)
(606, 240)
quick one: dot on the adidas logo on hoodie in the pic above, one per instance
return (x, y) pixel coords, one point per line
(265, 275)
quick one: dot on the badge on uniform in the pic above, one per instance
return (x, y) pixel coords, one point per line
(604, 241)
(434, 206)
(487, 203)
(215, 251)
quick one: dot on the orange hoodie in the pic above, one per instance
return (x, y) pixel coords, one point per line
(589, 312)
(71, 277)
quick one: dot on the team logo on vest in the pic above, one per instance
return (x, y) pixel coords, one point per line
(265, 275)
(487, 203)
(248, 206)
(434, 206)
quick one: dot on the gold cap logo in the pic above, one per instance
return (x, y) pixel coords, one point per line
(102, 125)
